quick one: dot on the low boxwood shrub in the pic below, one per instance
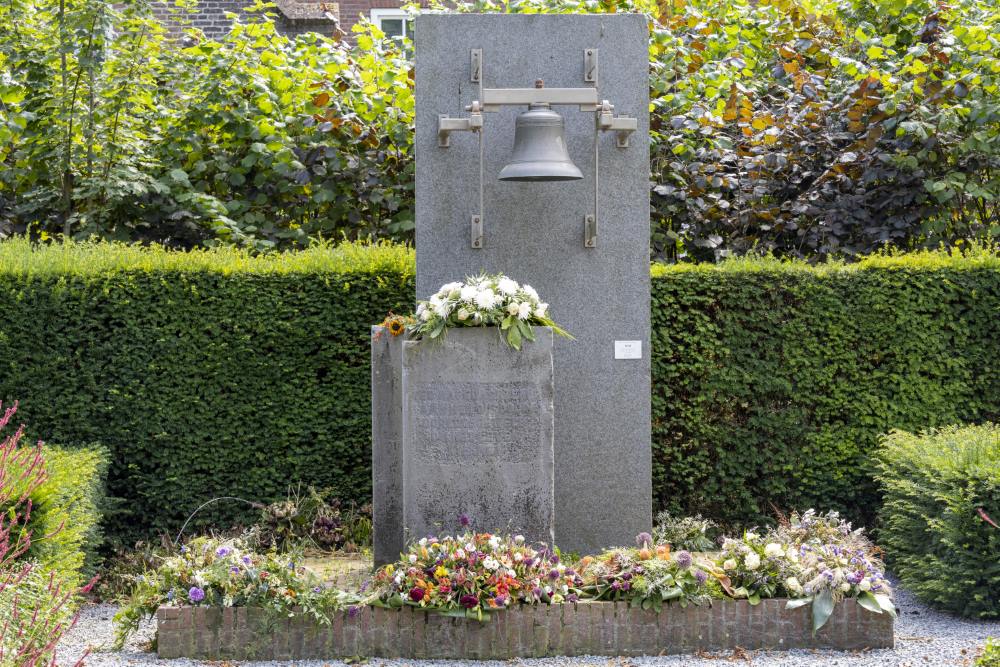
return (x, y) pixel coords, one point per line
(941, 493)
(67, 510)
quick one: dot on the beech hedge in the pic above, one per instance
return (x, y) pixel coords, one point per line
(216, 373)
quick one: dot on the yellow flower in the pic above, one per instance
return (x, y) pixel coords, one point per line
(441, 571)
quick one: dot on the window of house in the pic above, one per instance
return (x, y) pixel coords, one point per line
(394, 23)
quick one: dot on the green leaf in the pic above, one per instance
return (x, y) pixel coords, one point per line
(799, 602)
(822, 608)
(868, 601)
(885, 602)
(754, 599)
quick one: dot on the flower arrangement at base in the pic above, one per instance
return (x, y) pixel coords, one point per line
(647, 577)
(225, 573)
(485, 301)
(813, 559)
(474, 574)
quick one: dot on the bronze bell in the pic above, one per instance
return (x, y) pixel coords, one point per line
(539, 148)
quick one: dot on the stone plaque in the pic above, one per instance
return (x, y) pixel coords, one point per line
(534, 232)
(477, 435)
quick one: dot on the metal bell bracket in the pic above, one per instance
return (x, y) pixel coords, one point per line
(494, 98)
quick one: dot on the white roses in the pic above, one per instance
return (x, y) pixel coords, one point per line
(752, 561)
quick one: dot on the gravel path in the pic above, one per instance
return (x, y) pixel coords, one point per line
(923, 637)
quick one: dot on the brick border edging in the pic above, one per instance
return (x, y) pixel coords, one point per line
(585, 628)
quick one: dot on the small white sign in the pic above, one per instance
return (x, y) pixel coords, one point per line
(628, 349)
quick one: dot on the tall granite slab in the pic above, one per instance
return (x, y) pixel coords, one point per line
(477, 435)
(534, 232)
(387, 436)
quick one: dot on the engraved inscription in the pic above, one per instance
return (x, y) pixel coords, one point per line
(468, 422)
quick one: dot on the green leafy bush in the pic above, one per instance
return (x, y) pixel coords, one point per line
(937, 486)
(214, 373)
(990, 657)
(826, 127)
(66, 513)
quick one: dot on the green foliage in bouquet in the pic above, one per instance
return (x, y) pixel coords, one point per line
(692, 533)
(939, 520)
(485, 301)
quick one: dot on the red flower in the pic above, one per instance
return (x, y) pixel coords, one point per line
(416, 594)
(263, 575)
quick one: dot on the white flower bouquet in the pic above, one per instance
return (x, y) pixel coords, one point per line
(485, 301)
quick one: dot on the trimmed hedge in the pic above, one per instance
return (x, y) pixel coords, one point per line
(215, 373)
(935, 485)
(773, 381)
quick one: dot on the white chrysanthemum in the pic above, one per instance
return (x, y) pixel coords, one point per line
(435, 301)
(541, 310)
(524, 311)
(463, 314)
(490, 563)
(506, 286)
(530, 291)
(468, 293)
(486, 299)
(443, 309)
(774, 550)
(425, 315)
(752, 561)
(450, 287)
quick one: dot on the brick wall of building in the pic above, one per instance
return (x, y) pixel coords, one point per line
(292, 17)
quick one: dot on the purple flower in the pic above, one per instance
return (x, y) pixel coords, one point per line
(170, 595)
(184, 549)
(246, 560)
(317, 589)
(615, 585)
(196, 594)
(854, 577)
(223, 551)
(572, 597)
(469, 601)
(528, 562)
(554, 560)
(683, 559)
(644, 540)
(234, 569)
(700, 576)
(553, 574)
(463, 520)
(353, 611)
(365, 584)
